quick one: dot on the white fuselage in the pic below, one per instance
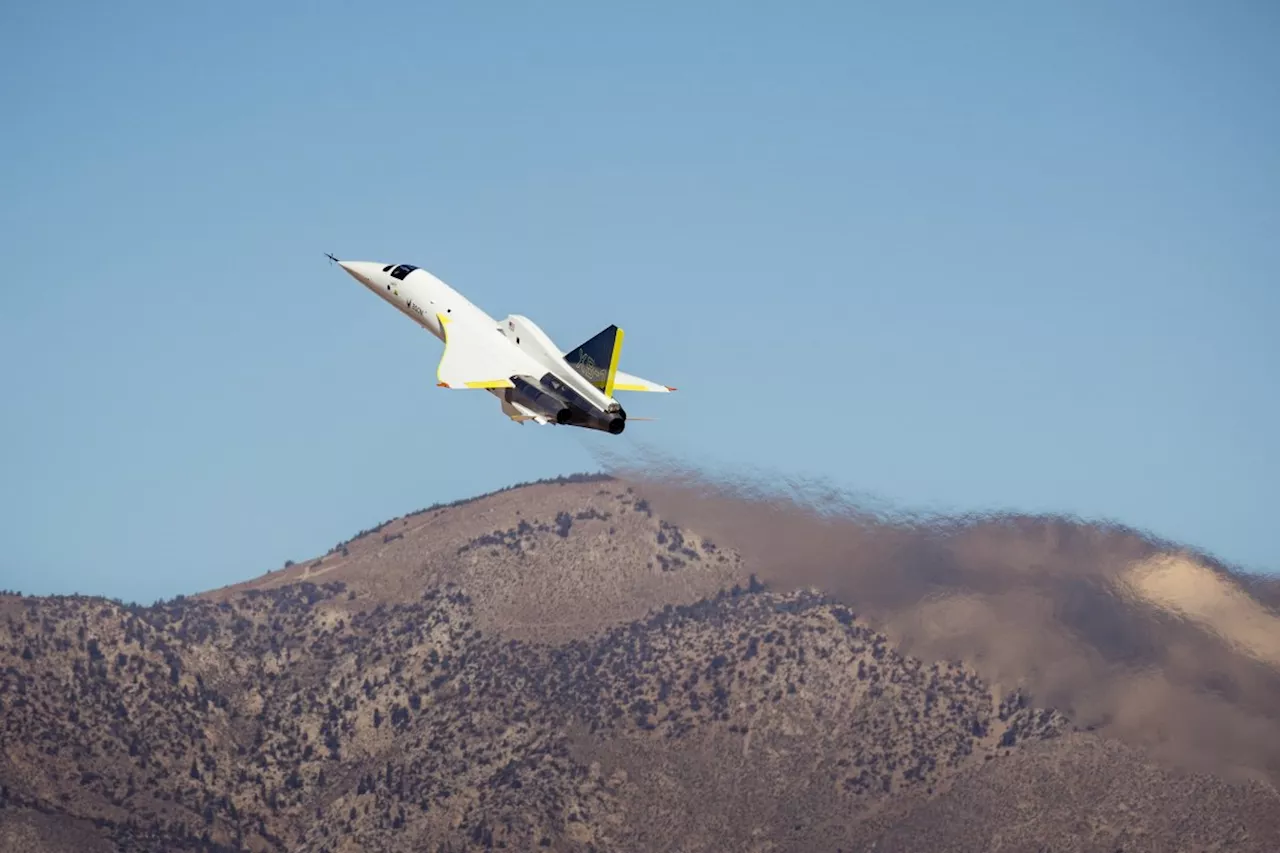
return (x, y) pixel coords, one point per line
(418, 294)
(422, 296)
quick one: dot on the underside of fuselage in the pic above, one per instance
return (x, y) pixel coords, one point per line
(514, 409)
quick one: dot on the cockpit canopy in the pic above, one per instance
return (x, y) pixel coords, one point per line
(400, 271)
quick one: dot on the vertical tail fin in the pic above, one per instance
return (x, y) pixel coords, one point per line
(597, 359)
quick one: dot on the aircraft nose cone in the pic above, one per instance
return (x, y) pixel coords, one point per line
(361, 271)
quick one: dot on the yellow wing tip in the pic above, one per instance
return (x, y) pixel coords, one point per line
(628, 386)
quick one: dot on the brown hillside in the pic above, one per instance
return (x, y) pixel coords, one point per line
(1145, 641)
(544, 561)
(558, 667)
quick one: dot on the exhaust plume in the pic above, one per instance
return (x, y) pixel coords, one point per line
(1133, 636)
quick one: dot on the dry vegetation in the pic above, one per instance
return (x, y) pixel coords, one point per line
(553, 667)
(1138, 638)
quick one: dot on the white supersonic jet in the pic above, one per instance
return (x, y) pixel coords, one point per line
(514, 360)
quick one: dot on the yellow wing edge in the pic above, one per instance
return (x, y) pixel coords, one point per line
(625, 387)
(483, 383)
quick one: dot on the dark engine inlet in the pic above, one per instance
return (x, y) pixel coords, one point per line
(551, 398)
(539, 399)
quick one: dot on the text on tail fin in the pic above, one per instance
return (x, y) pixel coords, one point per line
(597, 359)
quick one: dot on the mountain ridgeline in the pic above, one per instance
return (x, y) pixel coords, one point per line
(575, 665)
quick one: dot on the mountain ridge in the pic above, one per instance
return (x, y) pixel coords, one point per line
(566, 665)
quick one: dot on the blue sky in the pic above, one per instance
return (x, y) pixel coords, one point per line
(960, 256)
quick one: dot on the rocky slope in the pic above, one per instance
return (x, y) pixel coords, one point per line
(552, 667)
